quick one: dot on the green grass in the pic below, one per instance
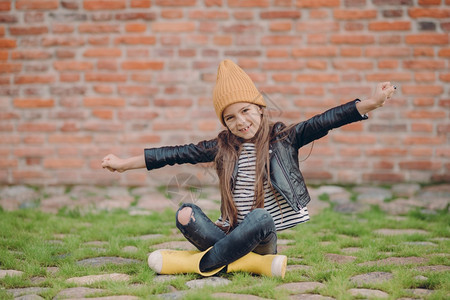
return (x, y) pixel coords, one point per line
(32, 241)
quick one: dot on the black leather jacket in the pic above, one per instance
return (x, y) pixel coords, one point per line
(284, 167)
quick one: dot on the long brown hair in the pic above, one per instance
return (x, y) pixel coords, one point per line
(228, 153)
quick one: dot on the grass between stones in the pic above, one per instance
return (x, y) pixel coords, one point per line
(47, 248)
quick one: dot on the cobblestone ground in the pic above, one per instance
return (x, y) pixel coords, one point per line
(406, 196)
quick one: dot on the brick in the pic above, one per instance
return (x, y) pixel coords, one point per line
(286, 14)
(352, 65)
(392, 13)
(424, 140)
(277, 53)
(70, 4)
(424, 64)
(210, 3)
(425, 77)
(317, 78)
(142, 65)
(8, 163)
(209, 15)
(387, 52)
(425, 114)
(391, 76)
(28, 30)
(104, 4)
(101, 102)
(282, 77)
(444, 77)
(175, 2)
(172, 14)
(33, 103)
(354, 139)
(69, 139)
(243, 15)
(427, 39)
(352, 39)
(66, 77)
(384, 177)
(173, 27)
(444, 52)
(131, 90)
(387, 152)
(422, 90)
(390, 26)
(424, 51)
(280, 26)
(10, 67)
(63, 163)
(36, 4)
(437, 13)
(283, 65)
(105, 77)
(62, 28)
(317, 3)
(317, 26)
(315, 52)
(354, 14)
(420, 165)
(351, 51)
(354, 26)
(103, 114)
(72, 66)
(36, 127)
(130, 16)
(281, 40)
(98, 28)
(30, 79)
(140, 4)
(5, 5)
(62, 41)
(317, 64)
(223, 40)
(422, 127)
(102, 52)
(135, 27)
(429, 2)
(318, 14)
(393, 2)
(135, 40)
(248, 3)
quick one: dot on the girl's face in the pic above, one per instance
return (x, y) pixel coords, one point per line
(243, 119)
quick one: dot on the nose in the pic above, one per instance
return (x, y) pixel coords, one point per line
(240, 119)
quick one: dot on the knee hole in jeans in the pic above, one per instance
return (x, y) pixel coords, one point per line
(185, 215)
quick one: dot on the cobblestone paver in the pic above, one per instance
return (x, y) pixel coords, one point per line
(396, 201)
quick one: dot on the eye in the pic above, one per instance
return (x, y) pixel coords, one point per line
(246, 110)
(228, 118)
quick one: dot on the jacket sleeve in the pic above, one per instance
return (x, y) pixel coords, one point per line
(204, 151)
(318, 126)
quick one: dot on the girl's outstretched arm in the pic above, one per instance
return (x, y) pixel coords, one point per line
(383, 91)
(114, 163)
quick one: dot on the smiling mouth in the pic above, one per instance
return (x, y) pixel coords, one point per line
(246, 128)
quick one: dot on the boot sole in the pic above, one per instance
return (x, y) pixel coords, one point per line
(279, 264)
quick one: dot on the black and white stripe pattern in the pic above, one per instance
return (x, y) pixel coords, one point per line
(244, 191)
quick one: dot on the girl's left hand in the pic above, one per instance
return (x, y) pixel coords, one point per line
(383, 92)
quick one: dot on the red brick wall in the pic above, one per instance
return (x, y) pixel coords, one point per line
(81, 79)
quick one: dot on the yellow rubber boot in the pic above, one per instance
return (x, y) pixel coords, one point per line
(269, 265)
(177, 262)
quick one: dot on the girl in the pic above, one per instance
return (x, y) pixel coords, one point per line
(262, 188)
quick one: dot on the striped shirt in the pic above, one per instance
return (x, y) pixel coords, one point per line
(244, 191)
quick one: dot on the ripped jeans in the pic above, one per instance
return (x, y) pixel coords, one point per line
(255, 233)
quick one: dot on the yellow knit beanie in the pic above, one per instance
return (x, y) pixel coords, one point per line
(233, 85)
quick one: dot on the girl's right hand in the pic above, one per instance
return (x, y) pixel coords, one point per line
(113, 163)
